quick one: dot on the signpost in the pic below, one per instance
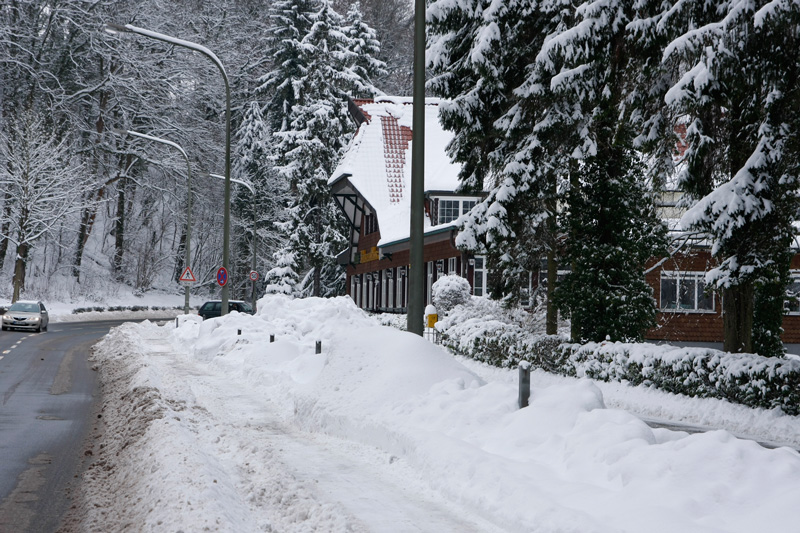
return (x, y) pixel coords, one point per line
(253, 278)
(187, 277)
(222, 276)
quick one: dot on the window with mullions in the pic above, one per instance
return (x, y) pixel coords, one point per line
(448, 210)
(685, 291)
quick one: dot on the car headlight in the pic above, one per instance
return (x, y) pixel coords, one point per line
(34, 319)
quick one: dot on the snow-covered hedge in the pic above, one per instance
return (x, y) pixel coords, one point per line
(484, 331)
(748, 379)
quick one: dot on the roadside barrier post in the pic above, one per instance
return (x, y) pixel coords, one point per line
(319, 346)
(524, 383)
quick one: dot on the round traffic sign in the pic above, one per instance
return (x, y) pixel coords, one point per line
(253, 275)
(222, 276)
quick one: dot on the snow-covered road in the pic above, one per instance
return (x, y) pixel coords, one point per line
(207, 429)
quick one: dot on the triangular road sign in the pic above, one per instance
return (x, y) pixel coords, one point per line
(187, 276)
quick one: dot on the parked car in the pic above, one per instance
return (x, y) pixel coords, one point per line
(213, 308)
(26, 315)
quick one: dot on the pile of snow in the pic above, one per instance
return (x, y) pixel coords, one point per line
(210, 426)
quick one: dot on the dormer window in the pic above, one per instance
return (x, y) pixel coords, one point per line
(451, 209)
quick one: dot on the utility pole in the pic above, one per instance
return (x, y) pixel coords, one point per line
(417, 238)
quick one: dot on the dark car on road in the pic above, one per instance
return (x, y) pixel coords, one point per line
(26, 315)
(213, 308)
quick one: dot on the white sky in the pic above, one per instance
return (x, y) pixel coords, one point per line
(383, 431)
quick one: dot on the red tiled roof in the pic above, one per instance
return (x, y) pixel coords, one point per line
(395, 144)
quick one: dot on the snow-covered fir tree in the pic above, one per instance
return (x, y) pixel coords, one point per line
(267, 210)
(282, 278)
(290, 21)
(734, 71)
(365, 48)
(314, 129)
(481, 54)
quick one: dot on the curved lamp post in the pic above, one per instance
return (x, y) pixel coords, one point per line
(253, 204)
(114, 29)
(188, 199)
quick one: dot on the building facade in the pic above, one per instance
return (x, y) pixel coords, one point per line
(372, 187)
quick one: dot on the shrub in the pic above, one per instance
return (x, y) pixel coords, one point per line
(483, 331)
(449, 291)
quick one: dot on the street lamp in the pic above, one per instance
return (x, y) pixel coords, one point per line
(253, 204)
(114, 29)
(188, 199)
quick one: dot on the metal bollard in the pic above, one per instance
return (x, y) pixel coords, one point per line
(524, 383)
(176, 322)
(238, 332)
(319, 346)
(272, 338)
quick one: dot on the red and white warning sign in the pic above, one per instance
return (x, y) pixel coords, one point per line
(187, 276)
(253, 275)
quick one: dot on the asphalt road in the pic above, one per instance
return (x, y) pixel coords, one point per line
(48, 393)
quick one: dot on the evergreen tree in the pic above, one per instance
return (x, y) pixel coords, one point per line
(365, 49)
(253, 165)
(290, 21)
(612, 231)
(737, 91)
(313, 133)
(282, 278)
(483, 57)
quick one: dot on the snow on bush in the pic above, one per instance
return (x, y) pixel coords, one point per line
(485, 331)
(748, 379)
(450, 291)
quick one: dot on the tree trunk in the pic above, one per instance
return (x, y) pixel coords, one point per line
(19, 270)
(119, 230)
(4, 228)
(551, 320)
(317, 284)
(551, 317)
(737, 318)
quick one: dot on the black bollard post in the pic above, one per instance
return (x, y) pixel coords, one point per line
(524, 383)
(238, 332)
(319, 346)
(272, 338)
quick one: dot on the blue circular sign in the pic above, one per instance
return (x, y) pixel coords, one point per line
(222, 276)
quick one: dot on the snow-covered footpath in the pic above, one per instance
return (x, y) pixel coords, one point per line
(207, 429)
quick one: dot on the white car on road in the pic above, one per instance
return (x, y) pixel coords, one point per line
(26, 315)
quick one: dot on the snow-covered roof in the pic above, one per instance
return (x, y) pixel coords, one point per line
(378, 161)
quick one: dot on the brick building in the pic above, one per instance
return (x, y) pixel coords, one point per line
(372, 187)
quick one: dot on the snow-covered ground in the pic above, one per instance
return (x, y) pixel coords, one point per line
(206, 429)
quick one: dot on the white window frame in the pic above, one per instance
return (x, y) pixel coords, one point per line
(461, 209)
(689, 277)
(485, 275)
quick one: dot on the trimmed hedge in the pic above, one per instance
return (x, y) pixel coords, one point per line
(79, 310)
(747, 379)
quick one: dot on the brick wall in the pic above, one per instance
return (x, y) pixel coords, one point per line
(681, 325)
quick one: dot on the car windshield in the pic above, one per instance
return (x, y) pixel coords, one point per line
(24, 308)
